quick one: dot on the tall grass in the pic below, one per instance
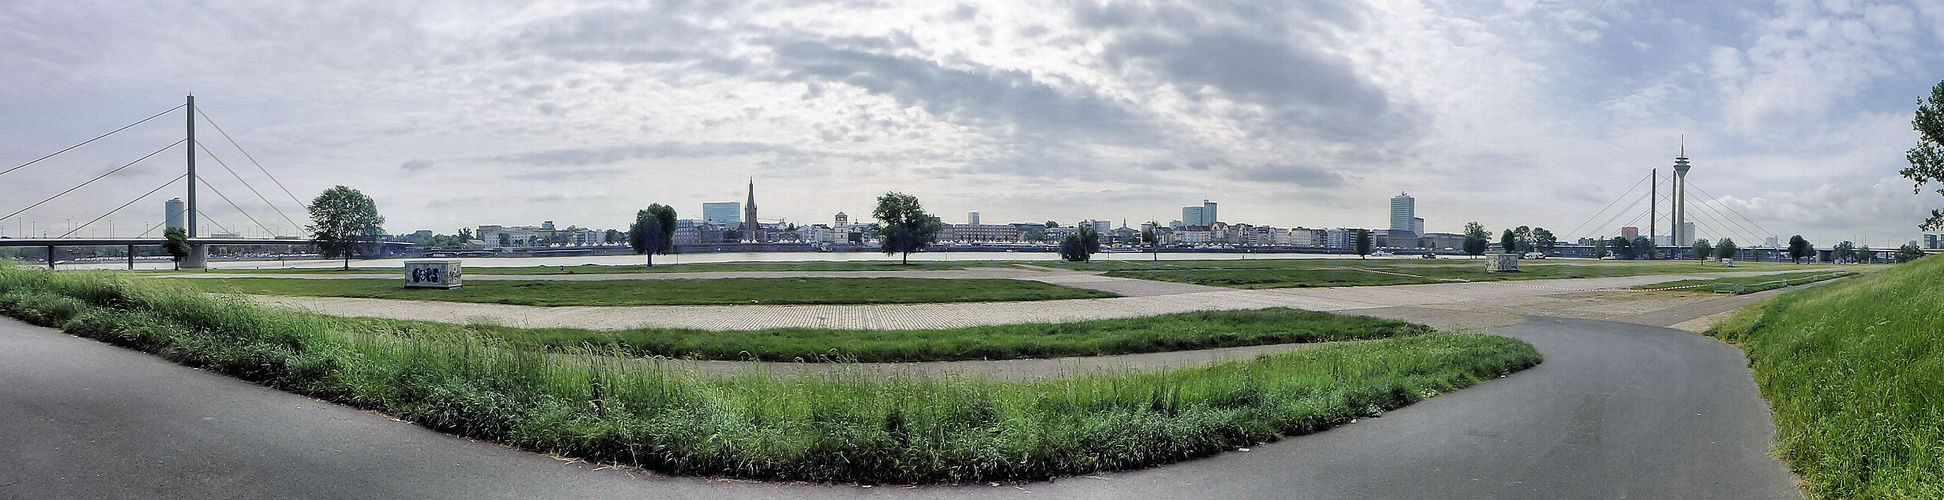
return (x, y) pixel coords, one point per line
(1855, 374)
(842, 428)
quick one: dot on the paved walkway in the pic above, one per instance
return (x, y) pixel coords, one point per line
(939, 316)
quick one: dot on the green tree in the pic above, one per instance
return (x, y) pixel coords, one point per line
(612, 236)
(1080, 245)
(1523, 235)
(176, 241)
(1475, 239)
(1363, 243)
(465, 234)
(343, 218)
(1726, 249)
(1799, 248)
(905, 225)
(1643, 247)
(1703, 250)
(1844, 251)
(1599, 249)
(505, 240)
(1509, 242)
(1909, 252)
(1543, 240)
(1052, 225)
(1927, 159)
(1864, 256)
(1153, 244)
(653, 231)
(1036, 235)
(1621, 247)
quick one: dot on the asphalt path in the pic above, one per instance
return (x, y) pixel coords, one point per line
(1618, 410)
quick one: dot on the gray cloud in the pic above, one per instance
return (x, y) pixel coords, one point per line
(416, 165)
(605, 155)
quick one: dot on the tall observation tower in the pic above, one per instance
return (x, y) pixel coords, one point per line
(752, 230)
(1683, 233)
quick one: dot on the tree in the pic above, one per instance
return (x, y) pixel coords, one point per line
(1543, 240)
(1036, 235)
(1927, 159)
(1843, 252)
(344, 217)
(1702, 250)
(1363, 243)
(1599, 249)
(1523, 235)
(1079, 246)
(176, 241)
(1863, 255)
(1475, 237)
(465, 234)
(1052, 225)
(612, 236)
(1643, 247)
(1621, 247)
(505, 240)
(1799, 248)
(1509, 242)
(1909, 252)
(1147, 238)
(905, 225)
(653, 231)
(1725, 249)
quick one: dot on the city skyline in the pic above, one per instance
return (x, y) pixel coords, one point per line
(1312, 114)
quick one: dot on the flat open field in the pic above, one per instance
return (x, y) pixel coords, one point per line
(668, 292)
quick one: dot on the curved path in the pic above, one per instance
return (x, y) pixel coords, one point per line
(1618, 410)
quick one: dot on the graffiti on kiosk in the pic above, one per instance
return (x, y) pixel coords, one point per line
(427, 275)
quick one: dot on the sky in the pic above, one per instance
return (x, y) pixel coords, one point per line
(1796, 114)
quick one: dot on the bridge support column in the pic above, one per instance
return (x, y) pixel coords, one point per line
(50, 257)
(131, 257)
(198, 257)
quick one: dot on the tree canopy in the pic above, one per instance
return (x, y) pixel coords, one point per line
(1080, 245)
(1475, 239)
(1927, 159)
(1725, 249)
(1909, 252)
(342, 218)
(1543, 240)
(1799, 248)
(1843, 252)
(653, 231)
(1621, 247)
(1703, 250)
(1509, 242)
(176, 241)
(903, 225)
(1363, 242)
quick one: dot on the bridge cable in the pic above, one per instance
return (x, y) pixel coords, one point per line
(125, 205)
(232, 204)
(1738, 214)
(97, 138)
(158, 224)
(1724, 219)
(212, 220)
(246, 184)
(91, 181)
(1596, 215)
(246, 154)
(1738, 231)
(1623, 212)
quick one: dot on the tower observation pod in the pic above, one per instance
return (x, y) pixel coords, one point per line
(1683, 236)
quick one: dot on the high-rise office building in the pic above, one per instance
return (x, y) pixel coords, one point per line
(1630, 233)
(172, 212)
(1203, 215)
(972, 218)
(1403, 215)
(722, 212)
(1417, 225)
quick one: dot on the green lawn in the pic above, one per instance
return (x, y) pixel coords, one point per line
(1749, 284)
(1854, 371)
(772, 291)
(1299, 273)
(660, 267)
(841, 429)
(1174, 332)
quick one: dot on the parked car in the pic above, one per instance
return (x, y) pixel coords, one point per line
(1535, 255)
(1428, 256)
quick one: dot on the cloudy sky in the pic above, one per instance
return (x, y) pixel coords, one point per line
(1312, 113)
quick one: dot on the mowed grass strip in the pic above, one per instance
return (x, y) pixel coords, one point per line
(729, 291)
(1174, 332)
(662, 267)
(801, 428)
(1303, 273)
(1854, 371)
(1749, 284)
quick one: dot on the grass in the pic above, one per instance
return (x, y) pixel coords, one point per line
(730, 291)
(1855, 374)
(1174, 332)
(700, 267)
(1748, 284)
(849, 428)
(1295, 273)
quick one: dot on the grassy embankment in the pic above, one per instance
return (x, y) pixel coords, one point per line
(730, 291)
(1854, 371)
(1742, 285)
(811, 428)
(1295, 273)
(1174, 332)
(664, 267)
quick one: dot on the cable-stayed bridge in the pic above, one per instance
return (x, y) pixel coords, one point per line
(192, 217)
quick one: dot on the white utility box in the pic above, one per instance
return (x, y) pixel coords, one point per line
(1502, 263)
(443, 274)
